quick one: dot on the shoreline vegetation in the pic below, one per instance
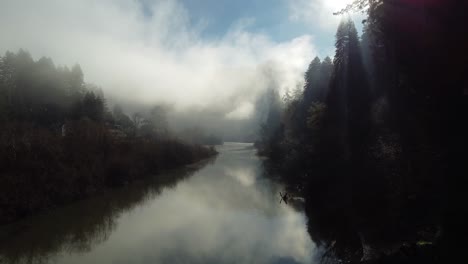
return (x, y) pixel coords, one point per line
(101, 212)
(373, 141)
(59, 142)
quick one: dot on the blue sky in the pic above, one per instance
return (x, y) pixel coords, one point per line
(273, 18)
(269, 16)
(220, 54)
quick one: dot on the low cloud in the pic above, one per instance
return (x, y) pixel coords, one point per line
(243, 111)
(153, 51)
(319, 12)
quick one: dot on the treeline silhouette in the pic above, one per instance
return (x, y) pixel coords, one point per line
(376, 140)
(59, 142)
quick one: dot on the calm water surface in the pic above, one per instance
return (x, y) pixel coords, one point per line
(225, 211)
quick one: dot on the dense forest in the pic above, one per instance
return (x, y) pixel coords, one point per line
(59, 141)
(368, 152)
(376, 140)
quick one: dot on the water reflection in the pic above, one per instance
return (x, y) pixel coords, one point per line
(225, 212)
(80, 227)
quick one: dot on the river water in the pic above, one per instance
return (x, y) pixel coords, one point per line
(222, 211)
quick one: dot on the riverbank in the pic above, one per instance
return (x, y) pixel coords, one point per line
(348, 229)
(42, 169)
(224, 210)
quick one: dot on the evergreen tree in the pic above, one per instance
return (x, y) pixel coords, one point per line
(122, 119)
(92, 107)
(312, 80)
(349, 99)
(76, 80)
(326, 70)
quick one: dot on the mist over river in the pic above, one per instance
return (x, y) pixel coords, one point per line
(223, 211)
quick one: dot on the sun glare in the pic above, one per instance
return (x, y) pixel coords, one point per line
(336, 5)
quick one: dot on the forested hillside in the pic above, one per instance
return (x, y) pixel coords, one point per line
(59, 142)
(376, 140)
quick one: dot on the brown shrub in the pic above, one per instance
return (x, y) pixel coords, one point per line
(41, 169)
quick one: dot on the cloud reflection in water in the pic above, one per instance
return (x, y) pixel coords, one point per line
(225, 213)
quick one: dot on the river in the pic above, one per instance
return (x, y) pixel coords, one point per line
(222, 211)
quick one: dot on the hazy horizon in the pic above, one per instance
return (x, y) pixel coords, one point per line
(176, 52)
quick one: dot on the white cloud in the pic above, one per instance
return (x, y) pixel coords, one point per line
(150, 59)
(243, 111)
(317, 12)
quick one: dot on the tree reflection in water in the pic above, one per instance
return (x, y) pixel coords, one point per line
(226, 212)
(80, 227)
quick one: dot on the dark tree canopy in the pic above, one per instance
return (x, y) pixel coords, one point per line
(380, 151)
